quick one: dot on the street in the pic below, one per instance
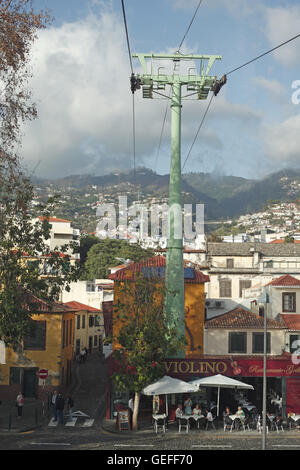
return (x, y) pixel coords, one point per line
(96, 438)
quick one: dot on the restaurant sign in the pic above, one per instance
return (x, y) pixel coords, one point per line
(248, 367)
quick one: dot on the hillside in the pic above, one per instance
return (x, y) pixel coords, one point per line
(224, 196)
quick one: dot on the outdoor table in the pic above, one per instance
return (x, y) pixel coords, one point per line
(157, 417)
(197, 418)
(234, 418)
(295, 417)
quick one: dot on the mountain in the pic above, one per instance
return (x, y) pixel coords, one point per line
(223, 196)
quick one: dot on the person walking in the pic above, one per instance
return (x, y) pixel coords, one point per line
(60, 405)
(83, 355)
(20, 404)
(70, 405)
(53, 404)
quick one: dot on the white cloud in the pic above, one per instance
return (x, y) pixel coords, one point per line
(81, 83)
(282, 142)
(234, 7)
(274, 87)
(281, 25)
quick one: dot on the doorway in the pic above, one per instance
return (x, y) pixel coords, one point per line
(30, 383)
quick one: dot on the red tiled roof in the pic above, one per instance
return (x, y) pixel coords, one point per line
(53, 219)
(48, 307)
(292, 322)
(281, 240)
(156, 262)
(79, 306)
(241, 318)
(285, 281)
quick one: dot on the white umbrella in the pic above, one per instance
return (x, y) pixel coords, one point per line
(167, 385)
(220, 381)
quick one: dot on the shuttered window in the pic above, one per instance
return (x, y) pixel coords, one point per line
(36, 339)
(225, 287)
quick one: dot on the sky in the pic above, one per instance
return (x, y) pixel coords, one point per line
(80, 83)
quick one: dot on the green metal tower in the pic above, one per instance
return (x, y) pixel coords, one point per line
(200, 83)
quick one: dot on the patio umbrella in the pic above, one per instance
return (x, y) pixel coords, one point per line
(167, 385)
(220, 381)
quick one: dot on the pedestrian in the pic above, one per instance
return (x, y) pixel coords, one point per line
(83, 355)
(70, 406)
(86, 353)
(20, 404)
(130, 409)
(60, 405)
(53, 404)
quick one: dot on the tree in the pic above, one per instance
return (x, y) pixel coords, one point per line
(19, 25)
(105, 254)
(144, 339)
(86, 243)
(23, 254)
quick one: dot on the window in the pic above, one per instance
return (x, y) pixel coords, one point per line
(95, 340)
(78, 322)
(244, 285)
(70, 332)
(67, 333)
(294, 343)
(237, 343)
(289, 302)
(77, 346)
(15, 375)
(97, 320)
(225, 287)
(91, 321)
(83, 321)
(230, 263)
(63, 333)
(258, 343)
(36, 339)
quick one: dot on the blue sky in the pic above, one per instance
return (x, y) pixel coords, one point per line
(80, 83)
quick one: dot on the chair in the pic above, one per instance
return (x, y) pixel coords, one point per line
(227, 423)
(276, 425)
(246, 423)
(183, 422)
(260, 425)
(210, 422)
(160, 422)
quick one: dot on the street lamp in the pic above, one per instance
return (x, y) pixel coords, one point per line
(264, 299)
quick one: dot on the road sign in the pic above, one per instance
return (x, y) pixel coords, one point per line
(43, 374)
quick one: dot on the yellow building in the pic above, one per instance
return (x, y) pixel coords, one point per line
(194, 299)
(49, 346)
(89, 327)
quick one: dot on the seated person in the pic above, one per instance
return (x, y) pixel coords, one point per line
(226, 414)
(179, 412)
(240, 413)
(197, 410)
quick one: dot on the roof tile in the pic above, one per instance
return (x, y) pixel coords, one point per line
(241, 318)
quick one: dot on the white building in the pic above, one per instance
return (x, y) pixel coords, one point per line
(61, 233)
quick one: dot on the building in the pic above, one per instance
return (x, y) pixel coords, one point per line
(61, 233)
(194, 282)
(92, 293)
(89, 328)
(49, 346)
(234, 267)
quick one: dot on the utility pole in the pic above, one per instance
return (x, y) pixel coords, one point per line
(155, 83)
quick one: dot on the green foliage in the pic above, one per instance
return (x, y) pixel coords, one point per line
(105, 254)
(146, 337)
(23, 252)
